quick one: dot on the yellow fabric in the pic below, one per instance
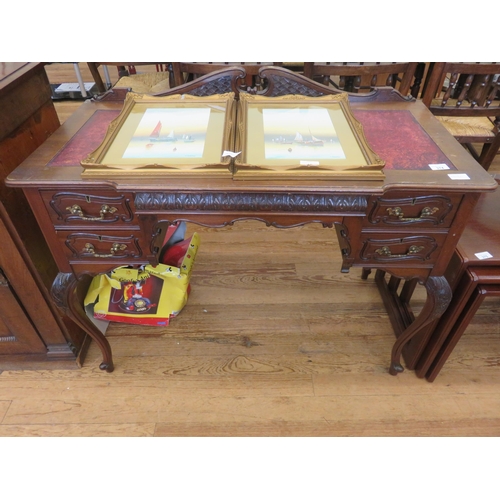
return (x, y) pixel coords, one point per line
(161, 86)
(471, 126)
(143, 83)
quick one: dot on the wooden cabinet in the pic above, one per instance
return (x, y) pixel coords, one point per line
(18, 333)
(33, 333)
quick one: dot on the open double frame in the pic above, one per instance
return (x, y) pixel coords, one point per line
(293, 135)
(272, 137)
(174, 135)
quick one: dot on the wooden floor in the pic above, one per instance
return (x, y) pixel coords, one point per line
(274, 341)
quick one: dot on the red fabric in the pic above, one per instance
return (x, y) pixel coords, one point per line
(86, 140)
(394, 135)
(399, 140)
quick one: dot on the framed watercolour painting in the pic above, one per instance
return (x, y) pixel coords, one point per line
(313, 137)
(179, 135)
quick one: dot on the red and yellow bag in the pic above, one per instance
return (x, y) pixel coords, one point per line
(148, 295)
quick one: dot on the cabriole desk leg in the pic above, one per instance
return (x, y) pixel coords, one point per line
(69, 293)
(438, 298)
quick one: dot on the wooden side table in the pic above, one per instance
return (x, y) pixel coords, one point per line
(472, 277)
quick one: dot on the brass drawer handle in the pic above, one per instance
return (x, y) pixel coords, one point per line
(398, 212)
(77, 210)
(386, 251)
(115, 247)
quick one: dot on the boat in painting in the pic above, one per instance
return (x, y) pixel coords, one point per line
(157, 137)
(314, 141)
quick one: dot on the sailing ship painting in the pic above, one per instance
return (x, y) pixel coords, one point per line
(300, 134)
(156, 136)
(313, 141)
(170, 133)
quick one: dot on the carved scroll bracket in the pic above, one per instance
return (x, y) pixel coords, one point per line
(68, 292)
(438, 298)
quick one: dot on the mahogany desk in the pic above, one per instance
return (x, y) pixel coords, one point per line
(406, 225)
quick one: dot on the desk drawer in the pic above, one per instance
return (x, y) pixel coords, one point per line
(84, 209)
(115, 246)
(421, 211)
(420, 249)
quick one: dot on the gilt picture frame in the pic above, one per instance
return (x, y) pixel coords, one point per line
(298, 136)
(176, 135)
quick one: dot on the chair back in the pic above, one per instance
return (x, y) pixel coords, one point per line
(463, 89)
(363, 77)
(465, 97)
